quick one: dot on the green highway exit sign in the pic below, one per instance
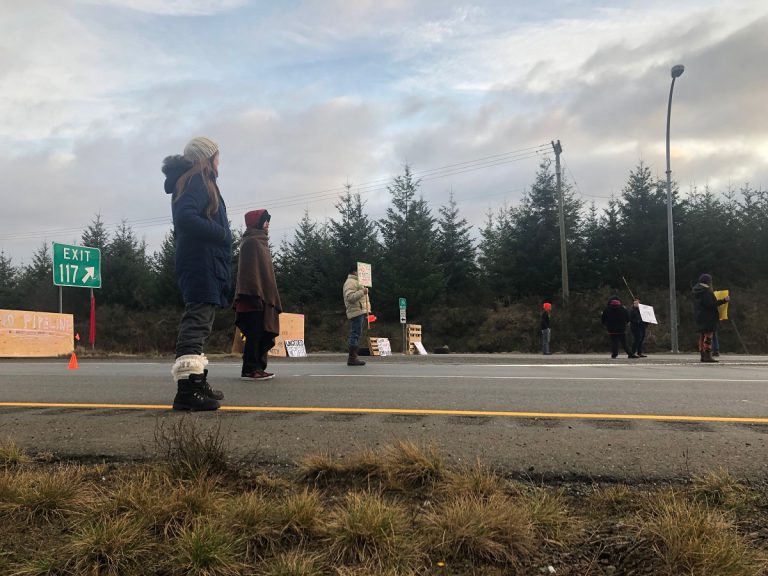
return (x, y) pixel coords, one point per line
(402, 303)
(78, 266)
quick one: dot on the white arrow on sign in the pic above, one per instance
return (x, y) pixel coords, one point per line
(90, 272)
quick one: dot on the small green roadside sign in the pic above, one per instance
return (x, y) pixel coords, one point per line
(402, 303)
(77, 266)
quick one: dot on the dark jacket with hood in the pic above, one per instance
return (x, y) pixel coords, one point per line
(203, 244)
(615, 316)
(705, 308)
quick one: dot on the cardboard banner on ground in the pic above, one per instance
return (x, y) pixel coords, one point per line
(295, 348)
(291, 328)
(385, 348)
(722, 310)
(647, 314)
(26, 334)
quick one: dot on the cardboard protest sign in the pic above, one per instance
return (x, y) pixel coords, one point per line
(295, 348)
(723, 308)
(291, 328)
(385, 349)
(420, 348)
(364, 275)
(647, 314)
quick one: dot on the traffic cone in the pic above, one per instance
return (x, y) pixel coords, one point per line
(73, 362)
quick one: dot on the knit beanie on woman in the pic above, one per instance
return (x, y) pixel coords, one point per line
(200, 149)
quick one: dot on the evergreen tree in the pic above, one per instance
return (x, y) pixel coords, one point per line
(591, 257)
(303, 270)
(456, 255)
(96, 235)
(753, 225)
(700, 240)
(409, 252)
(498, 256)
(163, 265)
(126, 276)
(352, 236)
(537, 233)
(36, 288)
(613, 267)
(8, 283)
(643, 214)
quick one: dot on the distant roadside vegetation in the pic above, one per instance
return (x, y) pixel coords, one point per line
(474, 289)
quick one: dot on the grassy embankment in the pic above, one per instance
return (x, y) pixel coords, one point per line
(404, 510)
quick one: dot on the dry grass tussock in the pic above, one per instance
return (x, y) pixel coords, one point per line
(365, 528)
(204, 549)
(295, 563)
(11, 456)
(192, 447)
(689, 538)
(475, 479)
(323, 469)
(494, 529)
(410, 466)
(107, 546)
(550, 514)
(720, 489)
(43, 495)
(614, 500)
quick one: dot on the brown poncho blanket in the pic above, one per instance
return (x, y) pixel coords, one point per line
(256, 277)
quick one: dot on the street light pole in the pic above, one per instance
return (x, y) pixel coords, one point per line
(677, 71)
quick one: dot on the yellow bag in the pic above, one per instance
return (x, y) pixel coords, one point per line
(723, 308)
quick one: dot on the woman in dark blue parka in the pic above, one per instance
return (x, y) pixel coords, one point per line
(203, 260)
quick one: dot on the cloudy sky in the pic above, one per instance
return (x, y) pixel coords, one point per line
(303, 96)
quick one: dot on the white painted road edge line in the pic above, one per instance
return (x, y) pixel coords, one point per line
(570, 378)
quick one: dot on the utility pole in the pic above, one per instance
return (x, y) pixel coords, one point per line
(563, 255)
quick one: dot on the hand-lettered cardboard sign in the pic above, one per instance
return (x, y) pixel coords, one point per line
(364, 275)
(385, 348)
(647, 314)
(291, 328)
(25, 333)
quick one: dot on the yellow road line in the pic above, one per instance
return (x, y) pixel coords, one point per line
(413, 411)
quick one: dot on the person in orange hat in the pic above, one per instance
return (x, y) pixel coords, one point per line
(257, 301)
(546, 332)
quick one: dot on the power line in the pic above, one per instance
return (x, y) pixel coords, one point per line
(578, 188)
(381, 184)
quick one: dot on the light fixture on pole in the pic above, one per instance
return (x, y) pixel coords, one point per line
(677, 71)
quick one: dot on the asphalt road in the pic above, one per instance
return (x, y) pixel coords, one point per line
(553, 416)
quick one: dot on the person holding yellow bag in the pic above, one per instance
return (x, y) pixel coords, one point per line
(707, 314)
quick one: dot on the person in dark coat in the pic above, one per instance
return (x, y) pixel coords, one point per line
(257, 301)
(615, 318)
(637, 326)
(203, 261)
(706, 314)
(546, 332)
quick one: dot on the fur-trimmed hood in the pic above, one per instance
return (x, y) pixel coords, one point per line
(173, 168)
